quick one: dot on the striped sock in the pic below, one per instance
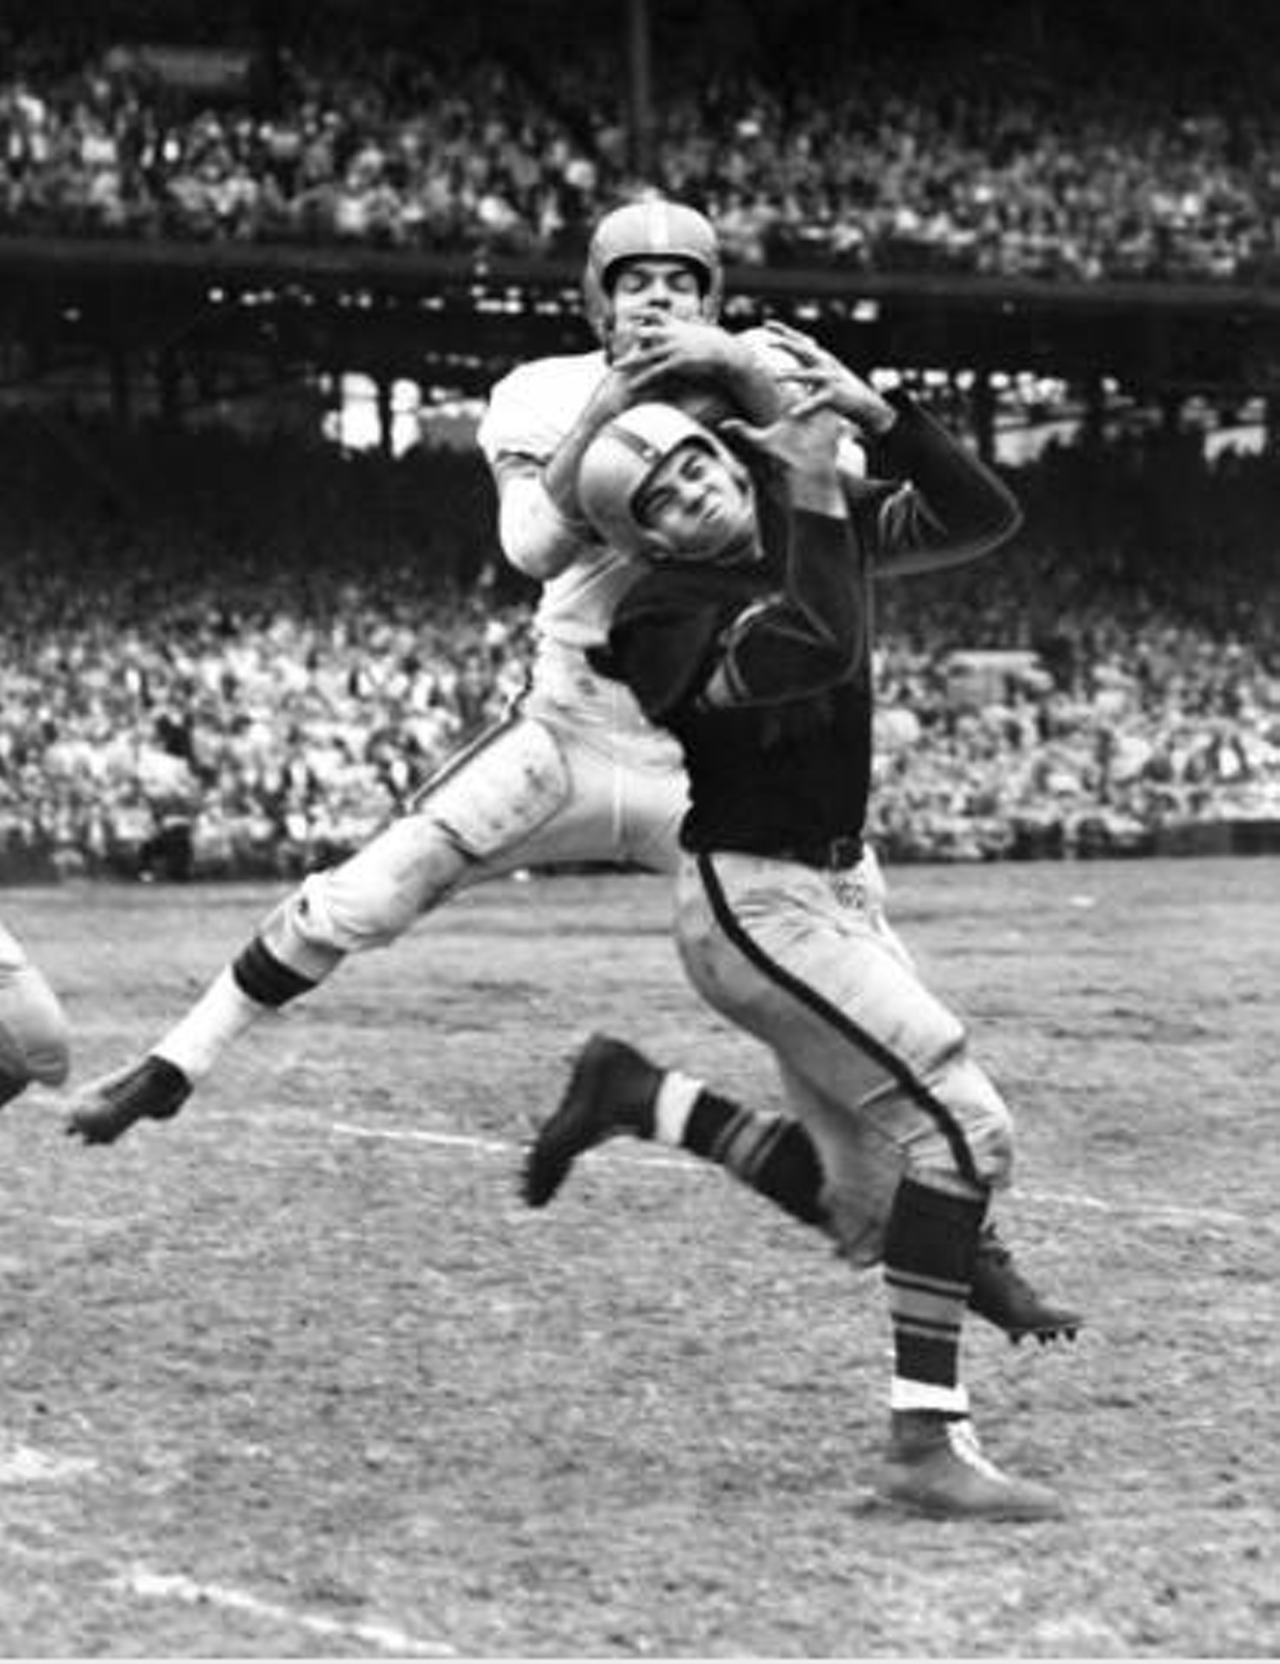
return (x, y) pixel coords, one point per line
(770, 1154)
(930, 1246)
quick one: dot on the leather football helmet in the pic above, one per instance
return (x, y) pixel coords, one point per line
(652, 229)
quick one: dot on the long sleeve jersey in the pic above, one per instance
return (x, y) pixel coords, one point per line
(785, 767)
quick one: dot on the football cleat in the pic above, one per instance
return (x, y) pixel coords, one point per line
(611, 1091)
(935, 1466)
(1002, 1295)
(153, 1090)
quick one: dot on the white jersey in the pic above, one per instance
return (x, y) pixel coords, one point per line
(529, 413)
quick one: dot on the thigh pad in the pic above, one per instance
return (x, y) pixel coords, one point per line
(505, 789)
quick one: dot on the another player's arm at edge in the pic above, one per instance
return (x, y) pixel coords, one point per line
(540, 524)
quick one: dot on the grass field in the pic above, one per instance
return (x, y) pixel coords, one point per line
(297, 1374)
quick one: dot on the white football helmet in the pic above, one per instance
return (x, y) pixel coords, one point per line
(652, 229)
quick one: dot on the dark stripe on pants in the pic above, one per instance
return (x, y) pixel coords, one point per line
(894, 1066)
(459, 759)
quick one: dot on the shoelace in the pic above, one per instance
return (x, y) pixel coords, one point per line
(963, 1439)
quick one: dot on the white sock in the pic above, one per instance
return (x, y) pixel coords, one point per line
(676, 1098)
(905, 1394)
(222, 1013)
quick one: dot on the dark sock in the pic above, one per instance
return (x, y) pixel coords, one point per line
(769, 1153)
(266, 979)
(930, 1245)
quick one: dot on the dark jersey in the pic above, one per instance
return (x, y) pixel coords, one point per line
(786, 765)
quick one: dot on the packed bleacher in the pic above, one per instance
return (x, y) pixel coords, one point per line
(220, 656)
(886, 166)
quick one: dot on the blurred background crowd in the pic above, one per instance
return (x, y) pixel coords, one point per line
(906, 162)
(224, 654)
(232, 677)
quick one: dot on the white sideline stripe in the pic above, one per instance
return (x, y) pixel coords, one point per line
(175, 1586)
(494, 1146)
(1153, 1210)
(415, 1135)
(652, 1158)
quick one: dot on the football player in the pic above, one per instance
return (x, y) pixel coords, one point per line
(34, 1043)
(575, 773)
(750, 641)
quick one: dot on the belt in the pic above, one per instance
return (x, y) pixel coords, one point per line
(836, 853)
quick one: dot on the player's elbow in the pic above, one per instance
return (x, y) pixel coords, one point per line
(536, 538)
(534, 560)
(988, 533)
(1004, 517)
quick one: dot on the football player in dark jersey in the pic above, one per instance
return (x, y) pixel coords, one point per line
(749, 638)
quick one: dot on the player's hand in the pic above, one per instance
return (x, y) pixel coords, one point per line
(660, 348)
(803, 440)
(824, 382)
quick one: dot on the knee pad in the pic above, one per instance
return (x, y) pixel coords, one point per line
(35, 1041)
(501, 792)
(982, 1117)
(366, 901)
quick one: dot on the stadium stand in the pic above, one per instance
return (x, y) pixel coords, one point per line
(187, 693)
(886, 167)
(230, 656)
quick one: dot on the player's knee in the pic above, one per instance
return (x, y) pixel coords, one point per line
(969, 1128)
(50, 1058)
(992, 1147)
(985, 1122)
(35, 1037)
(371, 899)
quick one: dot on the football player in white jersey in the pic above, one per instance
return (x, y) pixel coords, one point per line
(34, 1044)
(574, 773)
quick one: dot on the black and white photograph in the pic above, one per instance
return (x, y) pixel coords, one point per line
(639, 829)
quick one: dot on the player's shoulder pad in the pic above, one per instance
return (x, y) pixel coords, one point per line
(532, 406)
(560, 370)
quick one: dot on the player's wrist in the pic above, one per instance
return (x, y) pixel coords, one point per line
(816, 490)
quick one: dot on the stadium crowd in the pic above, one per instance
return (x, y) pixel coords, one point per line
(880, 167)
(258, 696)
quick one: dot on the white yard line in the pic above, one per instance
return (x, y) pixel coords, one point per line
(28, 1467)
(504, 1147)
(1224, 1218)
(1227, 1218)
(152, 1585)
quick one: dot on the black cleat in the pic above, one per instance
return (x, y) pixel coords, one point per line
(153, 1090)
(611, 1091)
(1002, 1295)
